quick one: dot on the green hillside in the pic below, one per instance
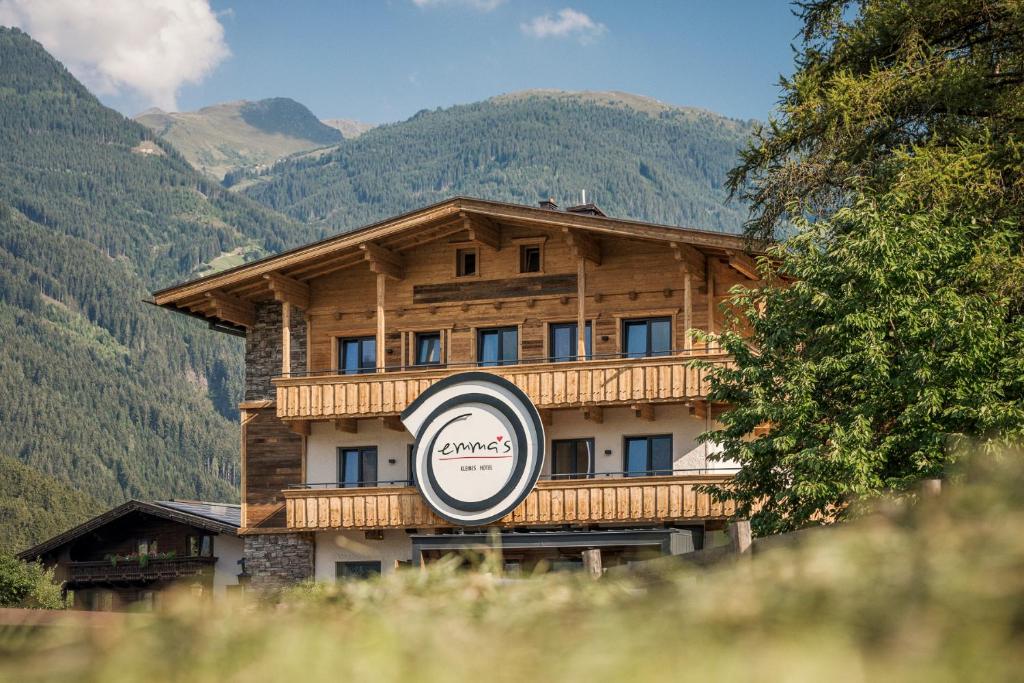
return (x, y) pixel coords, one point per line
(99, 392)
(634, 156)
(234, 135)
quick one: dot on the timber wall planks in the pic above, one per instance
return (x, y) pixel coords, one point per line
(588, 501)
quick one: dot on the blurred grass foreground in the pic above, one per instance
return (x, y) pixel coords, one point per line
(926, 590)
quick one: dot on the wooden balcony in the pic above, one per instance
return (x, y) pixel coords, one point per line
(104, 571)
(619, 381)
(577, 501)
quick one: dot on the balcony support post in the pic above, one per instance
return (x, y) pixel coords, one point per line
(687, 309)
(381, 283)
(286, 338)
(581, 318)
(710, 271)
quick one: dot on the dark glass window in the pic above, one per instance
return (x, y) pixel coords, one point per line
(498, 346)
(572, 458)
(200, 546)
(428, 348)
(562, 342)
(648, 455)
(357, 355)
(647, 337)
(529, 258)
(356, 570)
(465, 262)
(411, 459)
(357, 467)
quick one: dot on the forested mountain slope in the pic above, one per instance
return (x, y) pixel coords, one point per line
(635, 157)
(100, 392)
(223, 137)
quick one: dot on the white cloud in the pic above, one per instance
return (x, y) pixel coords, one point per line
(566, 23)
(149, 47)
(480, 5)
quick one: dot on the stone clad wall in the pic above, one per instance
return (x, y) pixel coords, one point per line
(276, 561)
(263, 349)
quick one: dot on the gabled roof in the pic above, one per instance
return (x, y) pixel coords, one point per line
(221, 518)
(224, 297)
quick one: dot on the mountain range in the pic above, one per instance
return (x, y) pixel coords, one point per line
(103, 397)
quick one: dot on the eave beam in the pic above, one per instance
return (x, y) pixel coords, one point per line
(690, 260)
(383, 261)
(744, 265)
(288, 291)
(232, 308)
(482, 230)
(583, 245)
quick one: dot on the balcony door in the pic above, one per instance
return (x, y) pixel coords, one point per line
(645, 337)
(572, 458)
(357, 467)
(648, 455)
(357, 355)
(562, 342)
(498, 346)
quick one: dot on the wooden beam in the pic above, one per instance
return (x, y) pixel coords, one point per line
(710, 276)
(347, 424)
(286, 338)
(300, 427)
(744, 265)
(583, 245)
(581, 299)
(593, 413)
(381, 282)
(687, 311)
(383, 261)
(232, 308)
(392, 422)
(482, 230)
(689, 259)
(288, 290)
(645, 411)
(545, 417)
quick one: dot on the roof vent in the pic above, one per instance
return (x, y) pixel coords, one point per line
(548, 203)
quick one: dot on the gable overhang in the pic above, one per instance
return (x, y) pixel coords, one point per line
(226, 299)
(117, 513)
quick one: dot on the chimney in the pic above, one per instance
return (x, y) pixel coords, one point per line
(548, 203)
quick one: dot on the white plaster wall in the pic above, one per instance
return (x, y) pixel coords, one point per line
(228, 551)
(324, 440)
(352, 546)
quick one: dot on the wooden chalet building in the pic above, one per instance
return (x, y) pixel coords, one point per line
(128, 555)
(588, 315)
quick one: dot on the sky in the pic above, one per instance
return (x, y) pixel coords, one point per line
(384, 60)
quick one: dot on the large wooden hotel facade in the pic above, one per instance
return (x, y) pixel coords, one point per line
(586, 314)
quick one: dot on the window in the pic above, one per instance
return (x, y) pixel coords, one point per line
(646, 337)
(200, 546)
(428, 348)
(357, 467)
(145, 546)
(356, 570)
(572, 459)
(562, 342)
(357, 355)
(465, 262)
(648, 455)
(411, 459)
(529, 258)
(498, 346)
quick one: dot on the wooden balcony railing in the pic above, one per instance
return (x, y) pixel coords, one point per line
(103, 571)
(577, 501)
(619, 381)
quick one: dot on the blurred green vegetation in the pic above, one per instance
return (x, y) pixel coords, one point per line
(929, 590)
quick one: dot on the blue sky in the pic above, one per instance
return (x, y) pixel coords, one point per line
(384, 60)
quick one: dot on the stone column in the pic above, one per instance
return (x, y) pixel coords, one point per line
(275, 561)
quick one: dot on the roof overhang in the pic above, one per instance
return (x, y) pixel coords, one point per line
(120, 511)
(226, 299)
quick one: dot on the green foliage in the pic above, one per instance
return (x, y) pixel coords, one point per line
(930, 592)
(890, 344)
(874, 76)
(667, 166)
(28, 584)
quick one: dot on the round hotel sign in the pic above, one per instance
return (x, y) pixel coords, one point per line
(479, 446)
